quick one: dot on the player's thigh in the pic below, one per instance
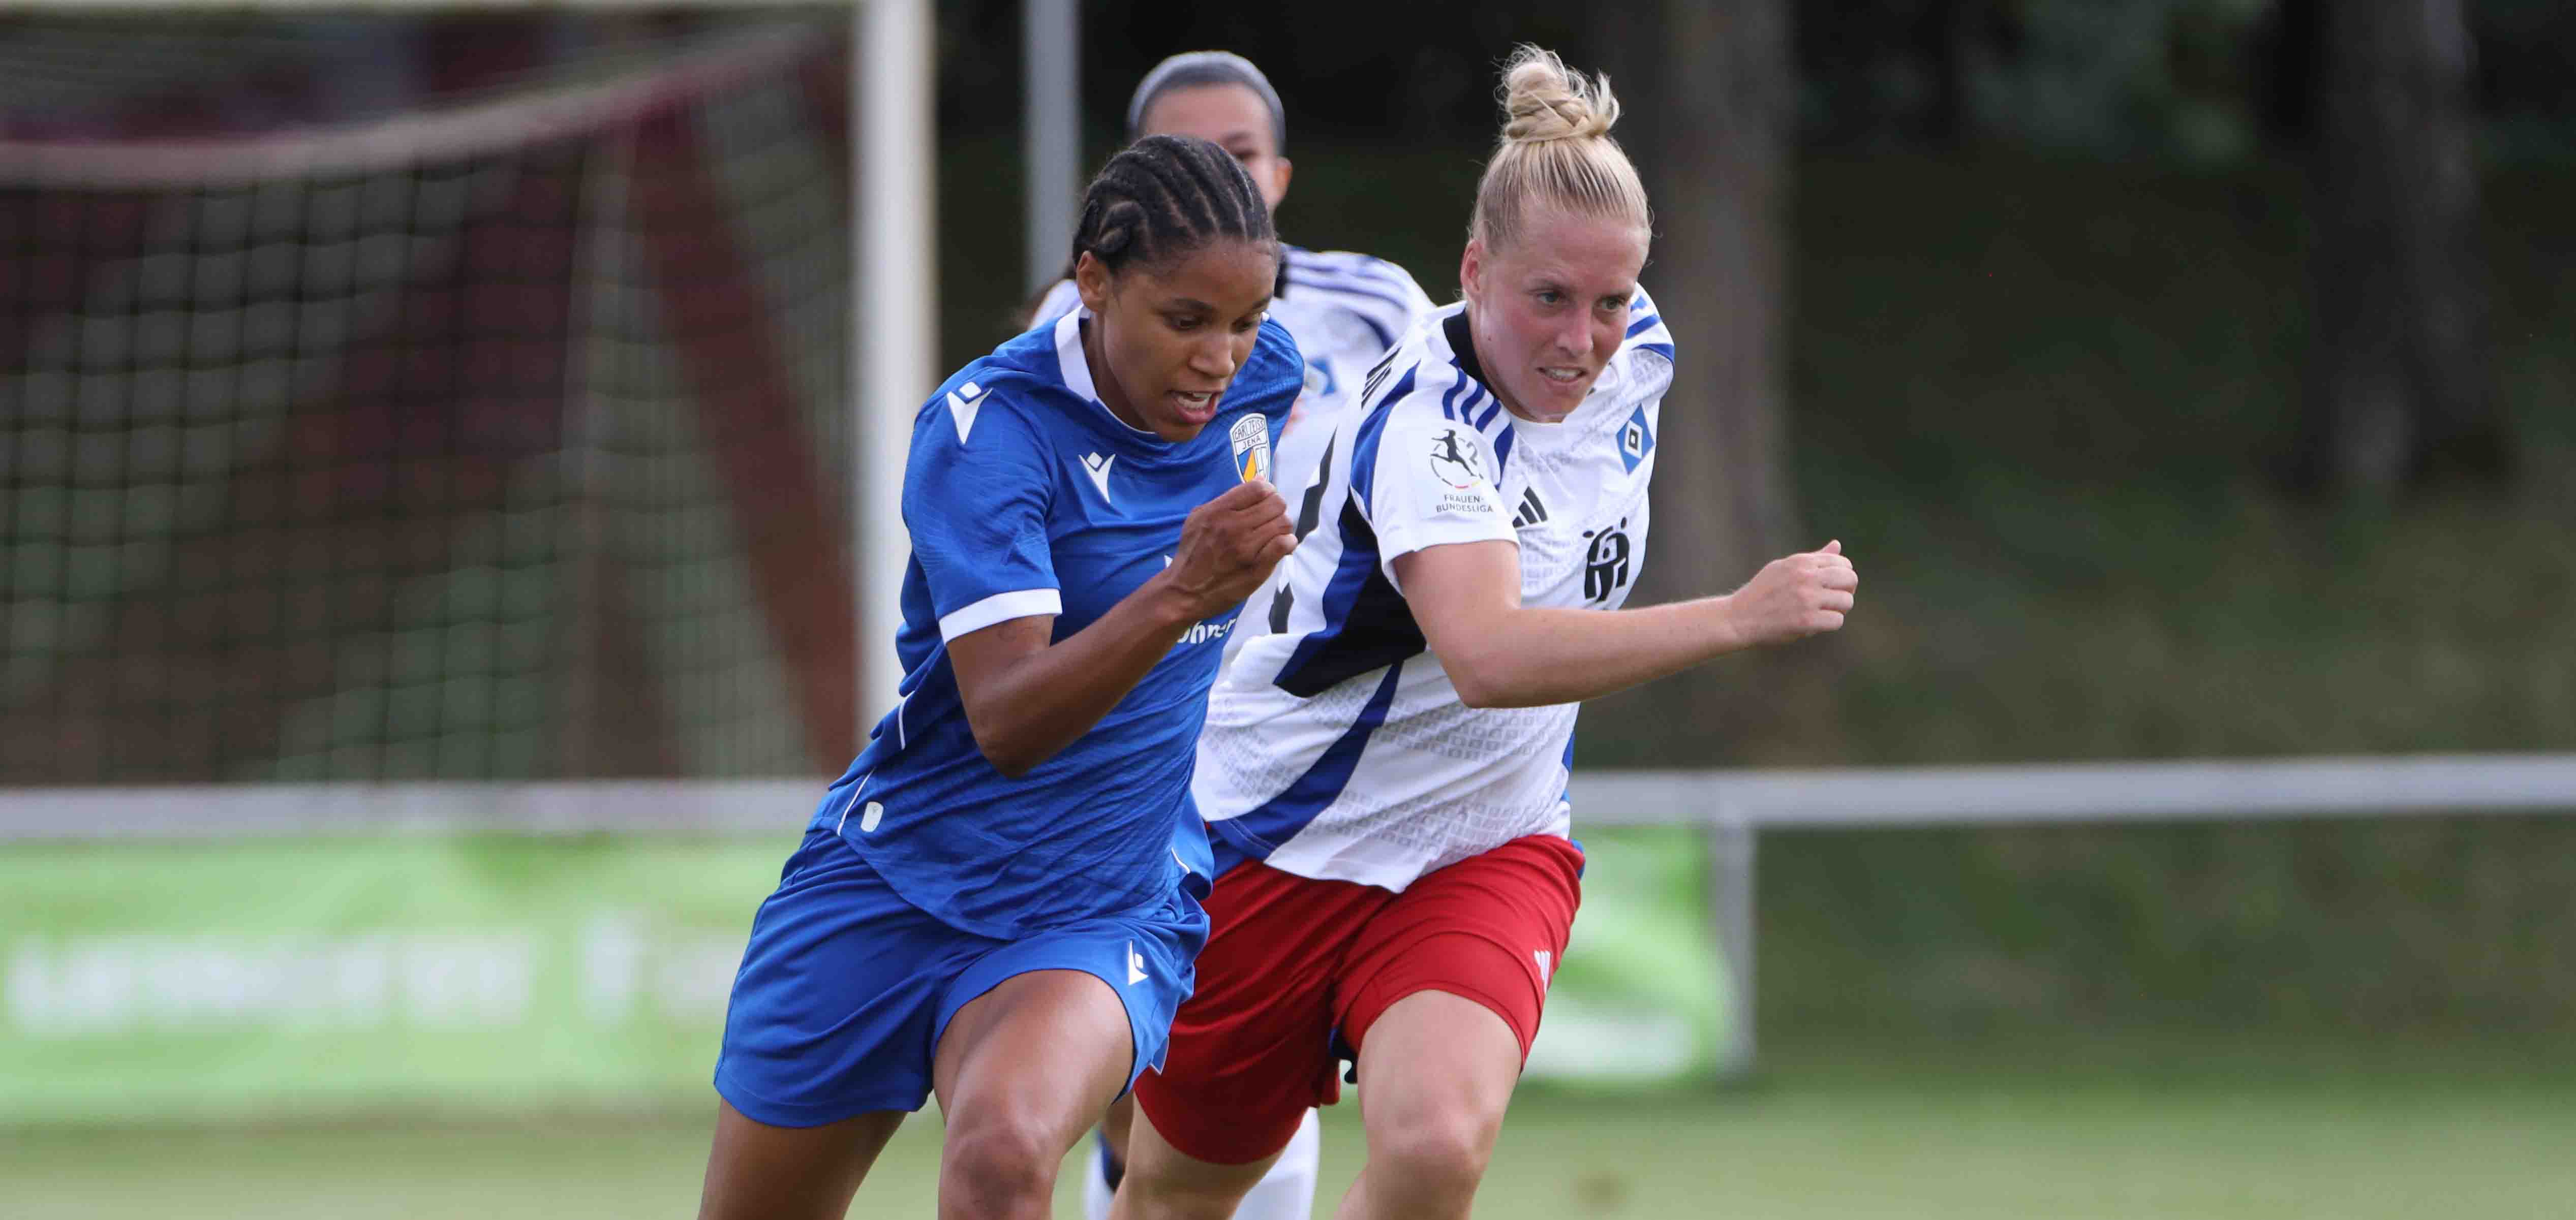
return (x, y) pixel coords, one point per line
(1033, 1061)
(1443, 993)
(1103, 989)
(1165, 1183)
(1436, 1075)
(760, 1172)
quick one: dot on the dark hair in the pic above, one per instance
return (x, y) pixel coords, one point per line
(1194, 69)
(1165, 196)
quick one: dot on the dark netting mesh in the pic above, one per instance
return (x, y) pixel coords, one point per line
(504, 438)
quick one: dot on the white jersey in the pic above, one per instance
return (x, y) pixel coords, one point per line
(1336, 746)
(1344, 310)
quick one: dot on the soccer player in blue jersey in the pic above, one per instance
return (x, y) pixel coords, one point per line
(998, 901)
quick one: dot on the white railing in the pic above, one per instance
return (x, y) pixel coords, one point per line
(1734, 806)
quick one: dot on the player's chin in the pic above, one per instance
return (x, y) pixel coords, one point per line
(1177, 430)
(1562, 396)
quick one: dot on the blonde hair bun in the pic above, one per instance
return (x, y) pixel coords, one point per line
(1556, 152)
(1544, 100)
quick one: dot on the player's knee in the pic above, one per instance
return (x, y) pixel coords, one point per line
(1443, 1152)
(989, 1164)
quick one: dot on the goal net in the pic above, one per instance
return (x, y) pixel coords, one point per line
(374, 412)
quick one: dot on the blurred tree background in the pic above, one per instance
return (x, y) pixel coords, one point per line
(2188, 378)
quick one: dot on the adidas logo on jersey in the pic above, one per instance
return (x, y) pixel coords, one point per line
(963, 403)
(1098, 468)
(1531, 511)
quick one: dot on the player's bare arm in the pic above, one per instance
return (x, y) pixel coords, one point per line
(1026, 698)
(1500, 653)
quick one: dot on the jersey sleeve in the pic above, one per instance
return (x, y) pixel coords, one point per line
(1646, 329)
(1381, 293)
(1417, 302)
(1432, 484)
(976, 493)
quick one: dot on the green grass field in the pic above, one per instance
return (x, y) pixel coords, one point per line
(2065, 1128)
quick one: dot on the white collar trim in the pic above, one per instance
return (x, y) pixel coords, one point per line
(1076, 369)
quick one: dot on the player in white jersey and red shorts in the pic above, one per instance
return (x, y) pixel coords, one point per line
(1384, 766)
(1344, 310)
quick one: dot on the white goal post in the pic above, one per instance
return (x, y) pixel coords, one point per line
(894, 348)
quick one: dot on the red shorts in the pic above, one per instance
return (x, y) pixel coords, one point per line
(1296, 970)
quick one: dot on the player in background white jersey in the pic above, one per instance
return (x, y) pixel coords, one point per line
(1343, 309)
(1384, 771)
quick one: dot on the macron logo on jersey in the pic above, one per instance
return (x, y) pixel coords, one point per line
(1098, 468)
(1135, 965)
(867, 821)
(1546, 966)
(963, 403)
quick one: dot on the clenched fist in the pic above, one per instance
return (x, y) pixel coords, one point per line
(1794, 596)
(1229, 545)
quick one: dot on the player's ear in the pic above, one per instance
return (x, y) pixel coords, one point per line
(1091, 282)
(1281, 169)
(1471, 267)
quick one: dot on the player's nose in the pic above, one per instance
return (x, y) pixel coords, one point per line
(1213, 358)
(1576, 339)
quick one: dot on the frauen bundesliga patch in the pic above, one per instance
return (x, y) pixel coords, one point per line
(1251, 437)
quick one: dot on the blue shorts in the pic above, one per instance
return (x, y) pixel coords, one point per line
(846, 987)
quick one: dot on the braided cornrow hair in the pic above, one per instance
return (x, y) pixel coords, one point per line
(1164, 196)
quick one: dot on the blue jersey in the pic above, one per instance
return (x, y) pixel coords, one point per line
(1025, 496)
